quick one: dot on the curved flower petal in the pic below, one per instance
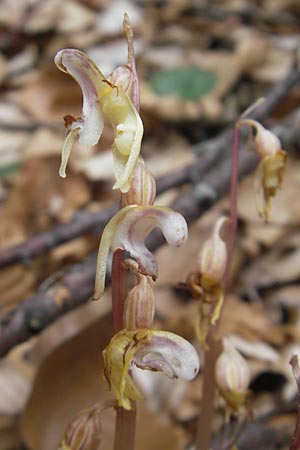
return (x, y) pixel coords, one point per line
(150, 350)
(117, 358)
(166, 352)
(128, 230)
(89, 78)
(268, 179)
(128, 129)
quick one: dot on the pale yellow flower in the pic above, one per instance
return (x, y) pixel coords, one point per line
(101, 96)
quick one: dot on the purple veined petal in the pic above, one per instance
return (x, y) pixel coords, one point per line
(136, 226)
(128, 230)
(99, 96)
(88, 76)
(166, 352)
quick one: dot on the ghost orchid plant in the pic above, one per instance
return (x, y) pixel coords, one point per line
(134, 342)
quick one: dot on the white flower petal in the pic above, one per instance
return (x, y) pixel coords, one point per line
(136, 226)
(66, 150)
(90, 80)
(128, 230)
(166, 352)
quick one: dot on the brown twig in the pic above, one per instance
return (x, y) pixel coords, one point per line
(37, 312)
(210, 152)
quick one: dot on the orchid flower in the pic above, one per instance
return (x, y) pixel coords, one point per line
(206, 284)
(269, 173)
(147, 349)
(101, 95)
(128, 230)
(213, 261)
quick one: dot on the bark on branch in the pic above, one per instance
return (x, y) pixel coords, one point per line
(34, 314)
(210, 152)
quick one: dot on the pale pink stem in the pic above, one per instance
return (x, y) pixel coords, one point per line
(125, 420)
(125, 429)
(118, 289)
(209, 385)
(295, 441)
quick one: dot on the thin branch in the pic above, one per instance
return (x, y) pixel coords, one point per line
(34, 314)
(210, 152)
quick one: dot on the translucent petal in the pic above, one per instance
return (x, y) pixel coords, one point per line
(90, 80)
(128, 129)
(150, 350)
(213, 254)
(168, 353)
(128, 230)
(66, 150)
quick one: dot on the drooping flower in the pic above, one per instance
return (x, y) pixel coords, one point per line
(128, 229)
(150, 350)
(270, 171)
(100, 95)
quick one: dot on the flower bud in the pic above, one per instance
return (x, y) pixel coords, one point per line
(84, 431)
(125, 76)
(213, 256)
(232, 375)
(139, 306)
(142, 189)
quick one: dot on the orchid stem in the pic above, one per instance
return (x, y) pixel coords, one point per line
(125, 429)
(234, 191)
(209, 384)
(208, 394)
(118, 289)
(125, 420)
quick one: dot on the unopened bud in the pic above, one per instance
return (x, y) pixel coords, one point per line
(142, 189)
(213, 256)
(84, 431)
(139, 306)
(232, 375)
(126, 76)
